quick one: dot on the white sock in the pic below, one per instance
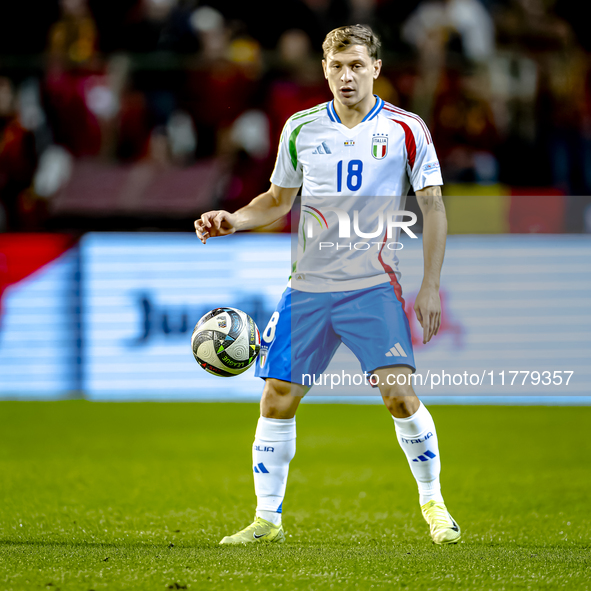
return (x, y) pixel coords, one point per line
(418, 439)
(273, 449)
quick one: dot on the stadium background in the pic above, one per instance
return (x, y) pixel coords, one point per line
(120, 123)
(137, 116)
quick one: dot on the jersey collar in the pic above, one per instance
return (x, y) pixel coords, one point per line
(332, 113)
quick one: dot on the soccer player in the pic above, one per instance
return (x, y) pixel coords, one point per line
(355, 156)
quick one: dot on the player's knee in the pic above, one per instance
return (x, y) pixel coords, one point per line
(394, 386)
(401, 406)
(280, 399)
(400, 400)
(278, 388)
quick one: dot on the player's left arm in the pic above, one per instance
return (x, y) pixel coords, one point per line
(428, 304)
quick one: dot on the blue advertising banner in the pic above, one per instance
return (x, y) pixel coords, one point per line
(143, 295)
(510, 304)
(39, 318)
(112, 318)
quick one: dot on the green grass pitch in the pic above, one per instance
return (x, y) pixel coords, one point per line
(137, 496)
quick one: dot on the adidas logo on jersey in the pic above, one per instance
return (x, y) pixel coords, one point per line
(322, 149)
(396, 351)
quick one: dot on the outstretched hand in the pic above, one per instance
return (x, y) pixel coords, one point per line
(214, 223)
(428, 310)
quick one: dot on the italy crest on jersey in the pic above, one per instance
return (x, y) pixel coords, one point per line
(379, 146)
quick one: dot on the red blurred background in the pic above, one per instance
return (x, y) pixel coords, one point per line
(141, 114)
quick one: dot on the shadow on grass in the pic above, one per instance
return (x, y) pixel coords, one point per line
(468, 547)
(123, 544)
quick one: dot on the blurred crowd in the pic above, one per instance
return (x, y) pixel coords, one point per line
(503, 84)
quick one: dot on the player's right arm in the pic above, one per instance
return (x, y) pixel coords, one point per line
(263, 210)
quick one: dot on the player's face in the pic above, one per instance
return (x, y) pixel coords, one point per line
(350, 74)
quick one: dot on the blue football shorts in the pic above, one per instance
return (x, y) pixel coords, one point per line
(305, 331)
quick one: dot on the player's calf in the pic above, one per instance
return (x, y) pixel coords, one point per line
(417, 437)
(274, 446)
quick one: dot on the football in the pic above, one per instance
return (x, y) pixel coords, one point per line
(226, 342)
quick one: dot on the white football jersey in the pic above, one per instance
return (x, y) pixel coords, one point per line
(352, 181)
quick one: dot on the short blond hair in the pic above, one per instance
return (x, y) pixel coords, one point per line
(344, 37)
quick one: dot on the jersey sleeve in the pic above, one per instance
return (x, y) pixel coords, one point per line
(288, 171)
(423, 167)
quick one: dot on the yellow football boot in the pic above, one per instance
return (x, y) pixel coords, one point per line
(444, 529)
(259, 530)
